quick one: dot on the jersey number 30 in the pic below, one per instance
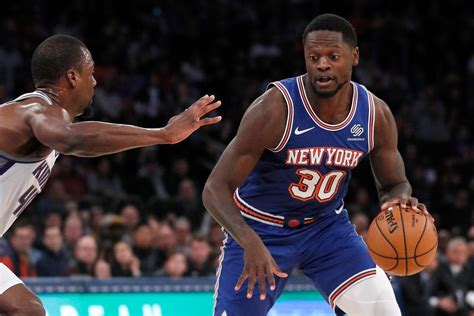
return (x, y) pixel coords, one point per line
(314, 185)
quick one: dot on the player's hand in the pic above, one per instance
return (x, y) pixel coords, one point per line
(179, 127)
(409, 202)
(259, 266)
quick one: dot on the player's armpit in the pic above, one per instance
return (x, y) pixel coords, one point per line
(261, 128)
(386, 162)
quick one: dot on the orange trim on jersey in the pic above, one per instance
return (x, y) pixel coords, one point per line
(316, 119)
(309, 221)
(255, 214)
(345, 285)
(289, 120)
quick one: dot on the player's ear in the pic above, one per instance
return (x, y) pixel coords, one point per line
(72, 76)
(355, 56)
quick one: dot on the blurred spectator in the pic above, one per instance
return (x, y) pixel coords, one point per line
(175, 266)
(17, 255)
(150, 258)
(132, 216)
(416, 291)
(73, 231)
(178, 172)
(216, 235)
(85, 257)
(53, 219)
(452, 280)
(53, 260)
(470, 236)
(105, 183)
(124, 263)
(183, 234)
(200, 261)
(361, 223)
(102, 270)
(165, 239)
(190, 204)
(113, 228)
(459, 214)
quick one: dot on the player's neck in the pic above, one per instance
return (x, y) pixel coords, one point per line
(59, 96)
(334, 109)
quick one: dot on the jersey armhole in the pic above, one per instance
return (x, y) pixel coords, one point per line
(371, 121)
(289, 116)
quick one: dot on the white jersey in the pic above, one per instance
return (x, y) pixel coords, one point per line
(21, 179)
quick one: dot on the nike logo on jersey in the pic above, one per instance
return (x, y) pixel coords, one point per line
(299, 132)
(339, 210)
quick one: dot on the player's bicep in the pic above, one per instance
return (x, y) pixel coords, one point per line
(235, 164)
(387, 163)
(260, 128)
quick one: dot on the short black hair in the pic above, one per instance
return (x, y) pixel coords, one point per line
(54, 56)
(332, 22)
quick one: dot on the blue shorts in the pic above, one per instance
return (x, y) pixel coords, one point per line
(328, 251)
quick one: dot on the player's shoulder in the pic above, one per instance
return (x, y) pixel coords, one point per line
(36, 106)
(265, 117)
(269, 104)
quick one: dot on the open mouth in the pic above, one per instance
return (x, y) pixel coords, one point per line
(324, 79)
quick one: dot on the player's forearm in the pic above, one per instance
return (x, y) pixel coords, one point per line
(219, 203)
(400, 189)
(89, 139)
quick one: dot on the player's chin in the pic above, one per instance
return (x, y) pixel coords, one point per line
(326, 93)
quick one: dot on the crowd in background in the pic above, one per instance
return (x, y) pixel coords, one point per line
(140, 213)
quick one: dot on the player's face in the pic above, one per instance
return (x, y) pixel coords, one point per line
(329, 61)
(88, 81)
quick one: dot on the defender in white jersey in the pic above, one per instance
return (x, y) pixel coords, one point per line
(36, 127)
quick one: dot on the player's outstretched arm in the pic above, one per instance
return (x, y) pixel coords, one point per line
(50, 125)
(387, 163)
(261, 127)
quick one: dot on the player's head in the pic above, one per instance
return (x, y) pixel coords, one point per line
(65, 60)
(330, 48)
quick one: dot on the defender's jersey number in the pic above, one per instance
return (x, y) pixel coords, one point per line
(314, 185)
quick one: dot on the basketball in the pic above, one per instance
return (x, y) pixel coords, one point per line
(402, 241)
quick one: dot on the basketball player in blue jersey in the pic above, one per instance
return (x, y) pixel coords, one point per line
(36, 127)
(278, 189)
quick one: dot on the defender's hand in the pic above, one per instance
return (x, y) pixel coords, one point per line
(179, 127)
(260, 266)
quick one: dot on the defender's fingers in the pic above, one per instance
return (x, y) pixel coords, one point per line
(209, 108)
(203, 101)
(210, 120)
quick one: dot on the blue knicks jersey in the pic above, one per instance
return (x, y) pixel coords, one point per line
(307, 174)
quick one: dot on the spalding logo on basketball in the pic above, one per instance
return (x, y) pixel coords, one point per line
(402, 241)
